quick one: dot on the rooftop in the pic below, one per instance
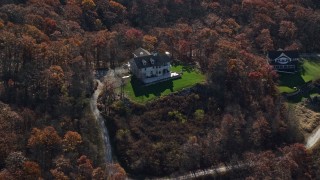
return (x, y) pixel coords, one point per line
(151, 60)
(290, 54)
(140, 52)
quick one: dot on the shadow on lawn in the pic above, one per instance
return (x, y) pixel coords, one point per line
(304, 95)
(291, 80)
(156, 89)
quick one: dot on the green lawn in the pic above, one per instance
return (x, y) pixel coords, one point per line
(136, 92)
(285, 89)
(310, 70)
(289, 81)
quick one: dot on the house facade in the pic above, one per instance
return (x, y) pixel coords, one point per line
(149, 67)
(284, 61)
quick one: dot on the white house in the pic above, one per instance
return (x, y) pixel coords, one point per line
(150, 67)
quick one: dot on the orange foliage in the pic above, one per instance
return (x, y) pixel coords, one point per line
(50, 25)
(58, 174)
(6, 175)
(264, 40)
(287, 29)
(85, 167)
(1, 24)
(132, 34)
(71, 140)
(115, 171)
(149, 42)
(56, 75)
(88, 4)
(31, 170)
(117, 6)
(47, 137)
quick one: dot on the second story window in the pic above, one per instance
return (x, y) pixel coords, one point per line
(144, 62)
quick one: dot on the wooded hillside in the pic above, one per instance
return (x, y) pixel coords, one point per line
(50, 48)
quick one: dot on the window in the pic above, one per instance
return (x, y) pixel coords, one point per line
(144, 62)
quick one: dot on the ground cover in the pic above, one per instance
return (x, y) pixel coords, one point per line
(310, 71)
(139, 93)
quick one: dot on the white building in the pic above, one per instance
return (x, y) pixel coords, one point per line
(150, 67)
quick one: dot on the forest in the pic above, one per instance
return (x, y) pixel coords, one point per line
(49, 50)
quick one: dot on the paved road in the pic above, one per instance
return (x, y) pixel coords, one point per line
(100, 122)
(313, 139)
(220, 170)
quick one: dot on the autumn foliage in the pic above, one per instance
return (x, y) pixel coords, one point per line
(49, 50)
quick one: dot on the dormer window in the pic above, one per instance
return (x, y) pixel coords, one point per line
(144, 62)
(152, 61)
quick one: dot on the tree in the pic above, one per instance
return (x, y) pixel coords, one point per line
(88, 5)
(115, 171)
(149, 42)
(85, 167)
(62, 168)
(9, 131)
(62, 163)
(48, 137)
(133, 37)
(58, 174)
(199, 114)
(261, 132)
(191, 154)
(117, 7)
(299, 156)
(287, 29)
(31, 170)
(15, 162)
(50, 25)
(44, 143)
(231, 132)
(264, 40)
(98, 174)
(5, 174)
(71, 140)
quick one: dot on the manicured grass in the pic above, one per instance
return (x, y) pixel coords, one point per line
(314, 95)
(289, 81)
(136, 92)
(310, 71)
(285, 89)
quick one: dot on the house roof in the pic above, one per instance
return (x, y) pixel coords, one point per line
(140, 52)
(159, 60)
(291, 54)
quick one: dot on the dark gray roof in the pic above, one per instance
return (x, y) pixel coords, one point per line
(291, 54)
(159, 60)
(140, 52)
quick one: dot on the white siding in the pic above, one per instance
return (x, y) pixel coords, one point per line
(152, 71)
